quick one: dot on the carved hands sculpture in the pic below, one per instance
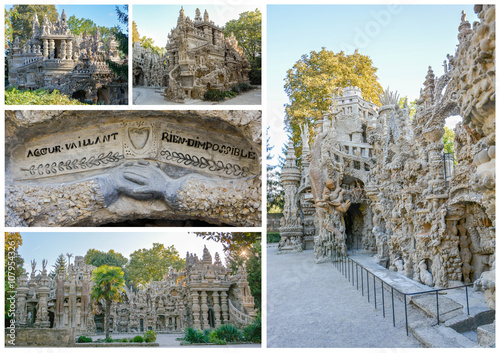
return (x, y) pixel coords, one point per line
(140, 180)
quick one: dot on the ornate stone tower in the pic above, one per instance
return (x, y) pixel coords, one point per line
(291, 225)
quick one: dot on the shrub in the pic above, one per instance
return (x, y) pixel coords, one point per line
(108, 340)
(192, 335)
(13, 96)
(273, 237)
(214, 95)
(229, 333)
(236, 89)
(255, 76)
(253, 332)
(84, 339)
(124, 340)
(149, 336)
(244, 87)
(138, 339)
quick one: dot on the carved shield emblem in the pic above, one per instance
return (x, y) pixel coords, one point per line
(139, 137)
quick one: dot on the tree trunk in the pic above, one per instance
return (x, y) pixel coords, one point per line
(107, 318)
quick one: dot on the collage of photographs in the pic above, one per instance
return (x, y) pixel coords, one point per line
(248, 175)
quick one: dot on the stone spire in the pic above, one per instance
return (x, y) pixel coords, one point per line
(182, 16)
(429, 86)
(63, 17)
(198, 16)
(464, 29)
(205, 17)
(207, 258)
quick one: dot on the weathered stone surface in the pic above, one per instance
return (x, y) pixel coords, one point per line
(198, 58)
(84, 168)
(42, 337)
(381, 183)
(486, 335)
(54, 58)
(447, 307)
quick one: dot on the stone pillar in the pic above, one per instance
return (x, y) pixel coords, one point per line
(62, 50)
(215, 297)
(204, 310)
(196, 311)
(22, 292)
(69, 50)
(225, 308)
(51, 48)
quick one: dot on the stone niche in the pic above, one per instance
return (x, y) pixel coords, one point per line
(126, 168)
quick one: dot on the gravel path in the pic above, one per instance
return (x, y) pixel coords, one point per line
(313, 305)
(152, 96)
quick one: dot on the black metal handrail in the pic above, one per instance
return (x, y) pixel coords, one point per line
(345, 265)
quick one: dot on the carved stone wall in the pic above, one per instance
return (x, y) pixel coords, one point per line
(157, 168)
(54, 58)
(198, 58)
(378, 178)
(203, 295)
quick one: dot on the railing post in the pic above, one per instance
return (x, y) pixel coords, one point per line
(362, 285)
(357, 283)
(437, 306)
(383, 303)
(406, 316)
(348, 271)
(374, 292)
(367, 286)
(393, 316)
(467, 300)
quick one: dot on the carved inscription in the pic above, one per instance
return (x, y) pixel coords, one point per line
(73, 152)
(200, 150)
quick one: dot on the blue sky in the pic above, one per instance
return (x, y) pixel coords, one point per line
(102, 15)
(402, 40)
(156, 21)
(48, 245)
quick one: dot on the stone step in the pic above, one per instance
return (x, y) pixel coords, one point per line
(448, 308)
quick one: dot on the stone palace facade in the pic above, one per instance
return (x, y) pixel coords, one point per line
(55, 59)
(198, 58)
(375, 181)
(205, 294)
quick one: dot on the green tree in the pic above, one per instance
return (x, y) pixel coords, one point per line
(98, 258)
(152, 264)
(248, 31)
(136, 37)
(275, 192)
(313, 80)
(79, 25)
(411, 105)
(448, 140)
(108, 284)
(22, 18)
(13, 269)
(122, 39)
(60, 265)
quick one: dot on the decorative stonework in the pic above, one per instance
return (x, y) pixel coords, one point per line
(378, 178)
(169, 305)
(198, 58)
(107, 166)
(75, 65)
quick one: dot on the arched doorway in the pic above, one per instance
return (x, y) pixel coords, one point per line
(103, 95)
(80, 95)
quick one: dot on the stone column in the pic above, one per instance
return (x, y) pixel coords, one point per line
(51, 48)
(45, 48)
(63, 50)
(204, 310)
(22, 292)
(215, 297)
(225, 308)
(196, 311)
(69, 50)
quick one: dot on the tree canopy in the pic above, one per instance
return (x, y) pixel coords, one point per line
(108, 284)
(448, 140)
(98, 258)
(247, 29)
(313, 80)
(152, 264)
(21, 18)
(275, 192)
(146, 42)
(60, 265)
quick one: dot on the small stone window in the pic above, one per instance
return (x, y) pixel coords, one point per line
(357, 165)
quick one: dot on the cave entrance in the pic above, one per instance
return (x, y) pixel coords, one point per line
(354, 222)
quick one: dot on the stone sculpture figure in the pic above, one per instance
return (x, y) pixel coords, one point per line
(60, 284)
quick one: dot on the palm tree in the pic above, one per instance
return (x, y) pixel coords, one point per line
(108, 284)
